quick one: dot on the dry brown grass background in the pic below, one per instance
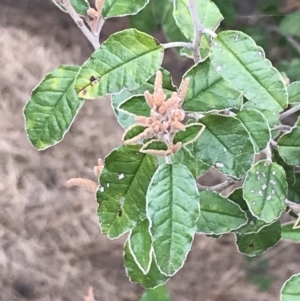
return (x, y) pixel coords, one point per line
(51, 247)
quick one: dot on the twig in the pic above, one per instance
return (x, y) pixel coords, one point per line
(80, 23)
(219, 187)
(198, 29)
(289, 112)
(268, 152)
(177, 44)
(273, 144)
(281, 127)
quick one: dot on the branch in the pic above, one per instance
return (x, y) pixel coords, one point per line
(80, 23)
(268, 152)
(219, 187)
(177, 44)
(289, 112)
(281, 127)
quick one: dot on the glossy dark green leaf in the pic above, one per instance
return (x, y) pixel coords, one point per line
(173, 211)
(120, 8)
(265, 190)
(126, 59)
(225, 144)
(124, 182)
(218, 214)
(152, 279)
(254, 244)
(208, 91)
(289, 146)
(52, 107)
(140, 245)
(242, 63)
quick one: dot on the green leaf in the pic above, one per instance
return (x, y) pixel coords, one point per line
(194, 165)
(190, 134)
(173, 210)
(294, 191)
(155, 147)
(125, 119)
(218, 214)
(289, 147)
(125, 60)
(257, 126)
(228, 9)
(290, 24)
(210, 17)
(289, 169)
(140, 245)
(124, 182)
(136, 105)
(291, 68)
(80, 6)
(265, 190)
(294, 92)
(120, 8)
(157, 294)
(152, 279)
(291, 289)
(241, 62)
(237, 197)
(52, 107)
(132, 133)
(225, 144)
(288, 233)
(253, 225)
(271, 116)
(208, 91)
(256, 243)
(145, 19)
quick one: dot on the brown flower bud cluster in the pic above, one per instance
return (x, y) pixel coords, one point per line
(166, 116)
(95, 15)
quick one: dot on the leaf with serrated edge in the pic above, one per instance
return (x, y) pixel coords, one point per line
(291, 289)
(121, 8)
(224, 144)
(135, 105)
(152, 279)
(208, 91)
(294, 92)
(218, 214)
(140, 245)
(124, 182)
(52, 108)
(254, 244)
(173, 211)
(257, 126)
(289, 146)
(265, 190)
(191, 133)
(126, 59)
(242, 63)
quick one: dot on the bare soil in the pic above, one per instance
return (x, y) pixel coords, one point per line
(51, 246)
